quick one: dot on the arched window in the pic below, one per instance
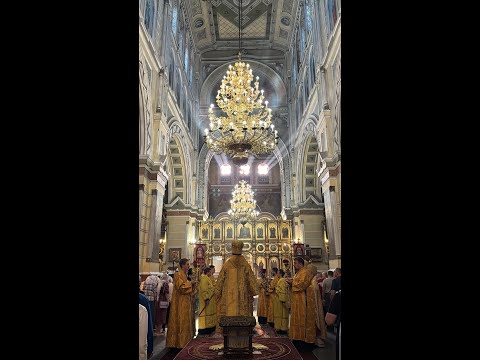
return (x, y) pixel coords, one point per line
(170, 73)
(299, 48)
(294, 70)
(332, 13)
(191, 73)
(177, 86)
(149, 15)
(308, 16)
(174, 18)
(180, 42)
(189, 117)
(302, 41)
(307, 85)
(312, 69)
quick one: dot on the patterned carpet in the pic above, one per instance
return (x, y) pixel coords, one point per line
(198, 349)
(262, 333)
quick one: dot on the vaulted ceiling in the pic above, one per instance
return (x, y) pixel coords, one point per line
(266, 28)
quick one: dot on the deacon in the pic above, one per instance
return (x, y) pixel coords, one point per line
(207, 317)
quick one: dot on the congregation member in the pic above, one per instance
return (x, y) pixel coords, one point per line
(142, 300)
(142, 332)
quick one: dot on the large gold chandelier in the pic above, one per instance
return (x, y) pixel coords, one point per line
(242, 205)
(247, 128)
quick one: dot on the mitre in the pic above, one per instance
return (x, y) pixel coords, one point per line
(237, 247)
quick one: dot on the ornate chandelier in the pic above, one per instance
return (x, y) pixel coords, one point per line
(246, 129)
(242, 204)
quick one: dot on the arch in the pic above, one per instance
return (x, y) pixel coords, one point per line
(146, 105)
(262, 216)
(178, 134)
(266, 216)
(141, 125)
(283, 157)
(211, 84)
(309, 173)
(307, 131)
(337, 108)
(281, 154)
(204, 159)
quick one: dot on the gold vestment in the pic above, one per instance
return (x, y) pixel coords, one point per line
(235, 288)
(180, 322)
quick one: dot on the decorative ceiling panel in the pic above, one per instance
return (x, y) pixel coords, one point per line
(257, 29)
(256, 19)
(267, 24)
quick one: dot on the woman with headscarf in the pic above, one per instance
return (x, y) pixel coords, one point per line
(162, 304)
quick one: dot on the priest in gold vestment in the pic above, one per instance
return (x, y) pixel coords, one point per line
(272, 292)
(212, 272)
(207, 317)
(299, 312)
(180, 323)
(280, 310)
(315, 325)
(263, 299)
(236, 286)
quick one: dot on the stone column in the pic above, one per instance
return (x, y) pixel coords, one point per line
(333, 226)
(140, 205)
(152, 238)
(335, 222)
(323, 90)
(329, 222)
(158, 224)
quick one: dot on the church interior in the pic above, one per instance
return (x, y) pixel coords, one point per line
(185, 188)
(239, 133)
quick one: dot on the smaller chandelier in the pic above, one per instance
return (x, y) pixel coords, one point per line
(242, 204)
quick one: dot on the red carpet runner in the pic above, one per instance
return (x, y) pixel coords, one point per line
(278, 348)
